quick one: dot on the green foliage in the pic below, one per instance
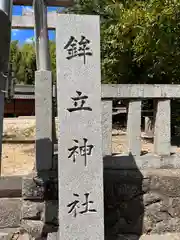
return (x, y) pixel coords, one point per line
(15, 57)
(139, 42)
(139, 39)
(27, 64)
(23, 59)
(52, 48)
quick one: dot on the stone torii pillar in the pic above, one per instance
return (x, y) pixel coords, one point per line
(5, 39)
(45, 120)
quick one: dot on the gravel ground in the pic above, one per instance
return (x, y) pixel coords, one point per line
(18, 159)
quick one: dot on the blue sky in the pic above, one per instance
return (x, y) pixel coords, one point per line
(26, 35)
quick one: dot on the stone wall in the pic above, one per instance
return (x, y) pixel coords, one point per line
(146, 202)
(136, 203)
(28, 206)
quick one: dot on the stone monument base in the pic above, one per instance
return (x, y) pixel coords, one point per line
(139, 205)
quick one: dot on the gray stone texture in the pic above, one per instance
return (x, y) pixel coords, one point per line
(37, 229)
(139, 91)
(51, 213)
(134, 127)
(10, 212)
(53, 236)
(162, 131)
(147, 161)
(43, 186)
(43, 110)
(31, 190)
(32, 210)
(149, 128)
(145, 202)
(78, 177)
(107, 127)
(10, 186)
(34, 228)
(3, 236)
(136, 202)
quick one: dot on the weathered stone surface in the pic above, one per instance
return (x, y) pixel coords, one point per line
(168, 225)
(10, 186)
(53, 236)
(32, 210)
(141, 202)
(155, 213)
(107, 127)
(38, 229)
(134, 127)
(3, 236)
(149, 198)
(32, 189)
(124, 195)
(174, 207)
(166, 185)
(34, 228)
(44, 131)
(162, 129)
(44, 187)
(79, 113)
(51, 215)
(10, 211)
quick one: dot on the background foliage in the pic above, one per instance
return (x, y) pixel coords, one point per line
(139, 42)
(23, 59)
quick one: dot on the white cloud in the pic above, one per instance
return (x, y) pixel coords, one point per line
(14, 32)
(27, 11)
(29, 40)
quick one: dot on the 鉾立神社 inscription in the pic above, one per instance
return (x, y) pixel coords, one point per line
(79, 103)
(84, 207)
(80, 164)
(83, 150)
(79, 48)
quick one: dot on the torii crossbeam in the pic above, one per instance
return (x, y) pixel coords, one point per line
(60, 3)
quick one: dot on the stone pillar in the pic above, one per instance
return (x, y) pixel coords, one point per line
(43, 111)
(162, 131)
(149, 127)
(134, 127)
(81, 204)
(107, 127)
(45, 119)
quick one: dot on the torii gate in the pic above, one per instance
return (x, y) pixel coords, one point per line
(45, 134)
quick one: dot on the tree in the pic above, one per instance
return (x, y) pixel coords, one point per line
(52, 48)
(27, 64)
(23, 59)
(15, 57)
(139, 39)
